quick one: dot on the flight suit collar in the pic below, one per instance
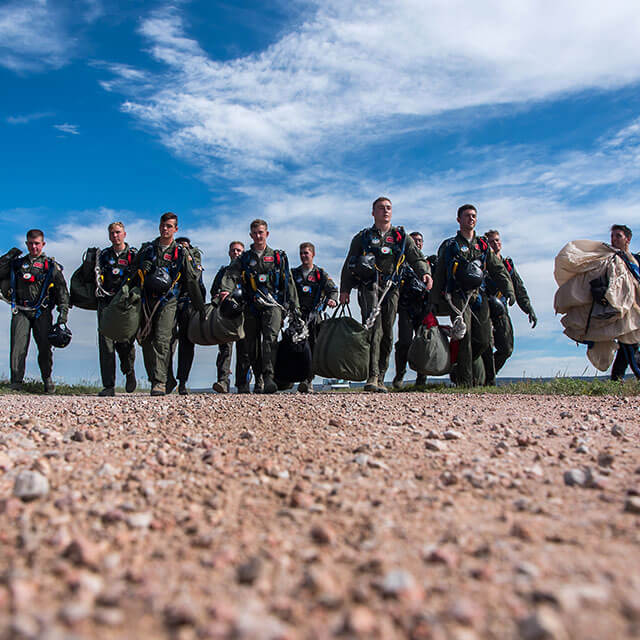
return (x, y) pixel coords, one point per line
(469, 243)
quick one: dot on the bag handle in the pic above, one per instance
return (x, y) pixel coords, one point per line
(341, 309)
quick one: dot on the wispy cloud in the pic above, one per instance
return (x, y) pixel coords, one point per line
(29, 117)
(40, 34)
(356, 72)
(71, 129)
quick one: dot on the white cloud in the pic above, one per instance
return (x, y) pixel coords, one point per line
(71, 129)
(40, 34)
(28, 117)
(357, 71)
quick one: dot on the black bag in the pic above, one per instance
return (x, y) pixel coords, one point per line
(429, 352)
(293, 361)
(5, 271)
(82, 289)
(212, 327)
(342, 348)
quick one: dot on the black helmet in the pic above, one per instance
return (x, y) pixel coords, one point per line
(363, 268)
(413, 289)
(232, 305)
(496, 307)
(470, 275)
(158, 282)
(59, 336)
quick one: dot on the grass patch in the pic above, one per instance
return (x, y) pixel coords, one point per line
(31, 386)
(556, 387)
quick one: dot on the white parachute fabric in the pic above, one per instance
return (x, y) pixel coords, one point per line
(578, 263)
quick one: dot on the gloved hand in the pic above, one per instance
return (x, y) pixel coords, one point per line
(146, 266)
(509, 300)
(533, 319)
(14, 252)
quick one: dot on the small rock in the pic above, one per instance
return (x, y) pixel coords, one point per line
(361, 621)
(617, 430)
(576, 477)
(582, 448)
(322, 534)
(399, 583)
(518, 530)
(467, 612)
(108, 616)
(76, 611)
(452, 434)
(140, 520)
(361, 459)
(448, 478)
(30, 485)
(77, 436)
(434, 445)
(632, 505)
(440, 555)
(83, 552)
(605, 459)
(248, 572)
(544, 624)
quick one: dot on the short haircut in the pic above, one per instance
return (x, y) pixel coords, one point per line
(258, 222)
(115, 224)
(380, 199)
(182, 239)
(413, 234)
(169, 215)
(623, 227)
(308, 245)
(492, 232)
(236, 242)
(35, 233)
(465, 207)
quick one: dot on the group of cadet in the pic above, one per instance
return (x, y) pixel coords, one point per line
(468, 279)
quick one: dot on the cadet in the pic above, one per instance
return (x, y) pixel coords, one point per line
(225, 351)
(116, 266)
(628, 354)
(458, 279)
(502, 327)
(411, 305)
(161, 263)
(269, 292)
(36, 284)
(373, 264)
(186, 348)
(315, 290)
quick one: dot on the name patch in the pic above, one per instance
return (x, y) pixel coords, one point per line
(268, 258)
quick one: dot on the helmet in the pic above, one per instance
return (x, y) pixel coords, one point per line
(158, 282)
(470, 275)
(363, 268)
(413, 290)
(59, 336)
(232, 305)
(496, 307)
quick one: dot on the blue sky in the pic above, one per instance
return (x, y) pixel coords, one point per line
(304, 112)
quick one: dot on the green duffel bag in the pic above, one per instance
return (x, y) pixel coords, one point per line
(214, 328)
(429, 352)
(342, 348)
(121, 319)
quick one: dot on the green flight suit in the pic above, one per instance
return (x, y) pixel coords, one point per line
(156, 345)
(269, 273)
(452, 255)
(387, 248)
(115, 269)
(502, 326)
(314, 287)
(34, 276)
(225, 351)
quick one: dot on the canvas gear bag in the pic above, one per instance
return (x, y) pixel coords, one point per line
(342, 348)
(121, 318)
(212, 327)
(429, 352)
(293, 361)
(82, 289)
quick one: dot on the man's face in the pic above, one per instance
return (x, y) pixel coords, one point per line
(306, 256)
(619, 240)
(235, 250)
(382, 213)
(259, 235)
(168, 229)
(494, 242)
(467, 220)
(117, 235)
(418, 240)
(35, 246)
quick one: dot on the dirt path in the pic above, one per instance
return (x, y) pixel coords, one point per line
(354, 515)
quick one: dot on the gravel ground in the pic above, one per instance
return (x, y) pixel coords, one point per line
(334, 515)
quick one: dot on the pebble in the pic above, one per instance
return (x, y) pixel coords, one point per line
(248, 572)
(140, 520)
(617, 430)
(544, 624)
(576, 477)
(632, 505)
(434, 445)
(322, 534)
(398, 583)
(452, 434)
(605, 459)
(30, 485)
(361, 621)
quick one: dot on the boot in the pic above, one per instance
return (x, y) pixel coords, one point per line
(371, 384)
(49, 386)
(244, 388)
(16, 386)
(303, 387)
(421, 380)
(170, 386)
(382, 387)
(397, 382)
(107, 392)
(182, 389)
(131, 383)
(222, 386)
(158, 389)
(270, 385)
